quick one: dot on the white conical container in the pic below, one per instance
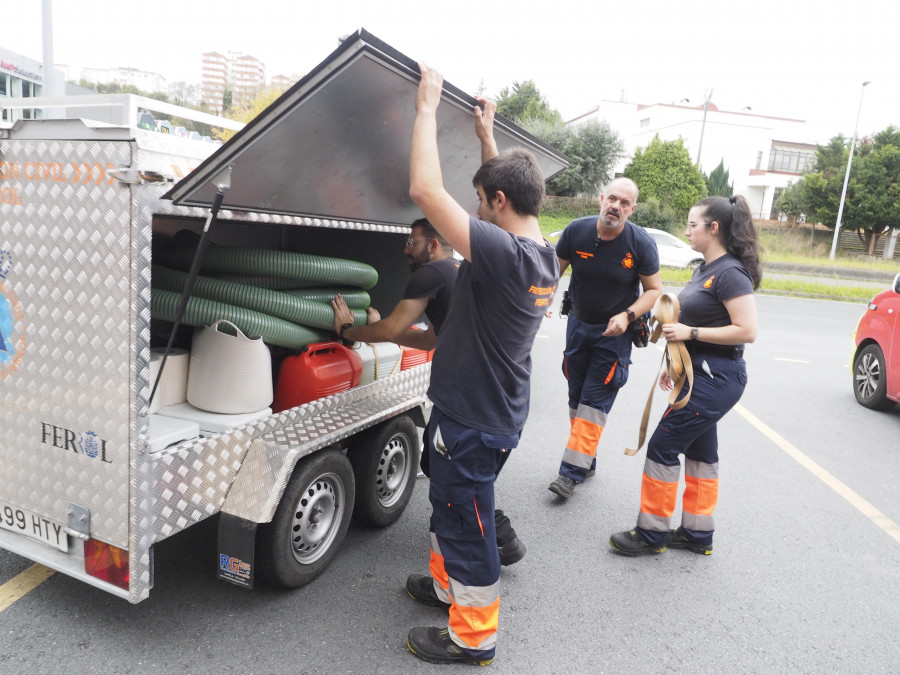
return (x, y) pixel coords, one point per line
(229, 374)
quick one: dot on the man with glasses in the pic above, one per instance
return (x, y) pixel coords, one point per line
(428, 292)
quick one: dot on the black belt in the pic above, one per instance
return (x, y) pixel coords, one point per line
(589, 318)
(726, 351)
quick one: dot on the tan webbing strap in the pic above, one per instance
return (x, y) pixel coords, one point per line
(677, 361)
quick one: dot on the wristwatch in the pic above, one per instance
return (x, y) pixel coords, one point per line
(631, 315)
(695, 331)
(344, 326)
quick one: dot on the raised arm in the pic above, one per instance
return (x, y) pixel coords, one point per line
(426, 182)
(484, 127)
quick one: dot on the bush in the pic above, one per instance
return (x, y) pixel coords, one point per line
(650, 213)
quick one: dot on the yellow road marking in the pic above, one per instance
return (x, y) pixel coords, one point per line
(843, 490)
(18, 586)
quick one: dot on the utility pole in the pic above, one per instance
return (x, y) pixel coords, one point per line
(837, 224)
(703, 125)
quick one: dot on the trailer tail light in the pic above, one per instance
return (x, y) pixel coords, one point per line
(106, 562)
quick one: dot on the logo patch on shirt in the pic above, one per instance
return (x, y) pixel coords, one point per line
(584, 255)
(628, 261)
(708, 283)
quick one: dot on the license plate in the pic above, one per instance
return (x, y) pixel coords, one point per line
(32, 525)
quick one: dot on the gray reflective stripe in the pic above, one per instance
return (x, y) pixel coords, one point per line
(655, 523)
(488, 643)
(661, 472)
(698, 523)
(701, 469)
(474, 596)
(577, 459)
(590, 414)
(572, 413)
(435, 546)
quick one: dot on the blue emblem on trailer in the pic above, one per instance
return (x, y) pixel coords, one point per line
(88, 444)
(12, 322)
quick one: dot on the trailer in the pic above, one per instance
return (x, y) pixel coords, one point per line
(93, 217)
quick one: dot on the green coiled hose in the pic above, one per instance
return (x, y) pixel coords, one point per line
(275, 303)
(284, 264)
(203, 312)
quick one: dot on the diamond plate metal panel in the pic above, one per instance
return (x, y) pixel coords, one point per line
(196, 480)
(65, 432)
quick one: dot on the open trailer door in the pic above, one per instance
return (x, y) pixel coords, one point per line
(336, 145)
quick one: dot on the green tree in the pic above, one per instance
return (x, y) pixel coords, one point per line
(717, 182)
(664, 171)
(523, 102)
(592, 148)
(872, 202)
(792, 203)
(227, 102)
(247, 112)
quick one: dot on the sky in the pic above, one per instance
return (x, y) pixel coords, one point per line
(800, 59)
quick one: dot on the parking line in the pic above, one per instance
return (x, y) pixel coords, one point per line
(20, 585)
(843, 490)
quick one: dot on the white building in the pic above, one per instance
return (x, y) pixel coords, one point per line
(243, 73)
(19, 77)
(762, 154)
(142, 79)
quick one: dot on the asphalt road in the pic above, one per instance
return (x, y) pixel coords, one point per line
(805, 577)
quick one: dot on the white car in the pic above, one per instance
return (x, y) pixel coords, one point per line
(673, 252)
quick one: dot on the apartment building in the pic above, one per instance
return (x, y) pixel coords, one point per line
(242, 74)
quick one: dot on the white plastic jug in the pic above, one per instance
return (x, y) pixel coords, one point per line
(229, 374)
(379, 360)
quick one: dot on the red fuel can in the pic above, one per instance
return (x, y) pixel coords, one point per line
(414, 357)
(322, 369)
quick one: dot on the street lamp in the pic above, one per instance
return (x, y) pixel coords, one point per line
(837, 225)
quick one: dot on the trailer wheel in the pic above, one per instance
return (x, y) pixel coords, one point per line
(385, 462)
(310, 522)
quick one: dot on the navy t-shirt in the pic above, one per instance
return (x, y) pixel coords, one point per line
(434, 280)
(605, 274)
(482, 363)
(701, 300)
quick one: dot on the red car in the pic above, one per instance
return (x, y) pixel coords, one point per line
(876, 357)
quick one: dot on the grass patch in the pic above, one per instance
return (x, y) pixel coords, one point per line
(794, 287)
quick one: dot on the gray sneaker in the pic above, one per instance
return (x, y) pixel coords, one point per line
(563, 486)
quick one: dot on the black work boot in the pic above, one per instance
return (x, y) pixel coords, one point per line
(563, 486)
(679, 539)
(435, 646)
(421, 589)
(512, 549)
(630, 543)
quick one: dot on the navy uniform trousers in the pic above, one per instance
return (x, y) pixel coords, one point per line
(465, 560)
(719, 382)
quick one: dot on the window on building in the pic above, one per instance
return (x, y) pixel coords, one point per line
(790, 159)
(4, 85)
(758, 159)
(645, 122)
(27, 88)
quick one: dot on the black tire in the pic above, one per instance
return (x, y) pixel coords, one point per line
(869, 383)
(385, 463)
(310, 522)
